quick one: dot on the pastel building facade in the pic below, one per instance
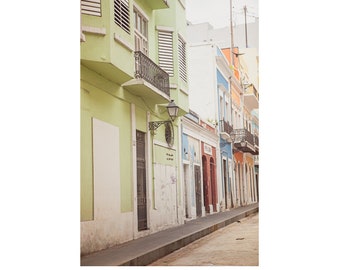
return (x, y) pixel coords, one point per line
(199, 154)
(223, 94)
(133, 63)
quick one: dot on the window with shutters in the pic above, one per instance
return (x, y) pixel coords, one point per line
(122, 15)
(165, 52)
(182, 59)
(141, 32)
(91, 7)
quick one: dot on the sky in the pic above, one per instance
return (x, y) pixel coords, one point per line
(217, 11)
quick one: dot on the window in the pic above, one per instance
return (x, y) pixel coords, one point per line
(91, 7)
(141, 32)
(227, 112)
(222, 108)
(122, 15)
(182, 59)
(165, 52)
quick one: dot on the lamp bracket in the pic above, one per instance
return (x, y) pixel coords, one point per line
(156, 124)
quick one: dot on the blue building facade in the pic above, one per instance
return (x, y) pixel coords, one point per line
(225, 128)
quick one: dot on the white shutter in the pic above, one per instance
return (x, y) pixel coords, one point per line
(182, 59)
(91, 7)
(165, 52)
(122, 14)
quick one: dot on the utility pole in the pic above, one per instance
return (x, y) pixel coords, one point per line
(245, 24)
(231, 33)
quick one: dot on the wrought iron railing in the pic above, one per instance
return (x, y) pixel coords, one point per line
(256, 140)
(242, 135)
(252, 91)
(146, 69)
(225, 127)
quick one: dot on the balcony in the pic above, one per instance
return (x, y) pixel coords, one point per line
(243, 141)
(251, 97)
(256, 144)
(225, 130)
(157, 4)
(150, 80)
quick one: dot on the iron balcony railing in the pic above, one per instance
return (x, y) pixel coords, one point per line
(252, 90)
(146, 69)
(225, 127)
(242, 135)
(256, 140)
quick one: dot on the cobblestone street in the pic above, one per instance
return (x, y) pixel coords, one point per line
(233, 245)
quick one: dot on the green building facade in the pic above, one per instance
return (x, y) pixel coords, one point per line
(133, 63)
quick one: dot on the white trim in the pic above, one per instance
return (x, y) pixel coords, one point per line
(173, 85)
(198, 135)
(184, 91)
(182, 3)
(149, 172)
(134, 170)
(186, 162)
(82, 37)
(94, 30)
(221, 87)
(140, 10)
(123, 42)
(165, 28)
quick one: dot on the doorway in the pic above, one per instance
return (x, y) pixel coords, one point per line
(186, 190)
(205, 184)
(225, 177)
(198, 193)
(213, 184)
(141, 181)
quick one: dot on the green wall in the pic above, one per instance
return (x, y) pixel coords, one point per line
(101, 105)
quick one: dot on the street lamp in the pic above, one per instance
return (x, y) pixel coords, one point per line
(172, 109)
(172, 112)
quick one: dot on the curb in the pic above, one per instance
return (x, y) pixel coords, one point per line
(142, 252)
(158, 253)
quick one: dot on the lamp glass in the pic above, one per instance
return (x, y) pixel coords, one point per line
(172, 110)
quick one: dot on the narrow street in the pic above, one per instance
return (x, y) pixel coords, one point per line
(233, 245)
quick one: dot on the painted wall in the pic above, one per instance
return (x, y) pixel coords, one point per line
(96, 103)
(165, 188)
(191, 156)
(202, 81)
(174, 18)
(101, 231)
(106, 170)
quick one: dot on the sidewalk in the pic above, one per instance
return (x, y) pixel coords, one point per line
(145, 250)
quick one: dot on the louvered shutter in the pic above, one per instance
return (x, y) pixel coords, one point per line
(122, 14)
(182, 59)
(165, 52)
(91, 7)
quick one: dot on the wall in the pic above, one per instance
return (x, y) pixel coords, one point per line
(191, 157)
(202, 81)
(164, 213)
(104, 169)
(101, 232)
